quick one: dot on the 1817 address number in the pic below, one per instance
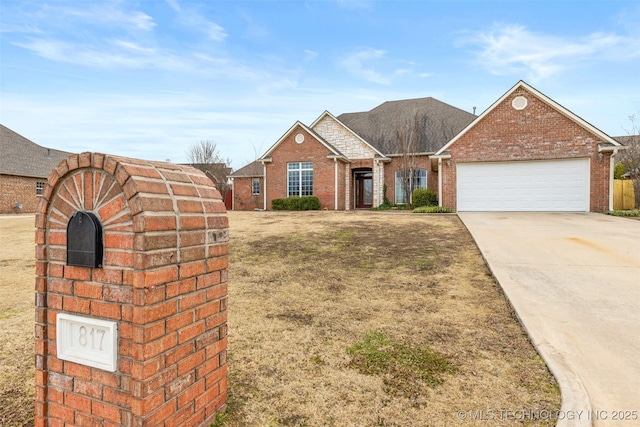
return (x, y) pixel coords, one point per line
(88, 341)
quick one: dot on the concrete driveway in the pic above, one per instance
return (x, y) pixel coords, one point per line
(574, 281)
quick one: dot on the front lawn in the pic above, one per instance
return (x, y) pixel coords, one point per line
(362, 318)
(335, 319)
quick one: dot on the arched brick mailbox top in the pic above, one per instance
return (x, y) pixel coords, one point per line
(161, 286)
(159, 219)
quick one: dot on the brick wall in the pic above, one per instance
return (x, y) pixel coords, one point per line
(311, 150)
(243, 197)
(163, 280)
(538, 132)
(18, 189)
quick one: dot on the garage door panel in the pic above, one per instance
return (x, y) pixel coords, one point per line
(556, 185)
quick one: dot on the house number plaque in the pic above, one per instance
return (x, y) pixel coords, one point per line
(87, 341)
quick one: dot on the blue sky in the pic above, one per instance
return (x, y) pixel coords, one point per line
(149, 78)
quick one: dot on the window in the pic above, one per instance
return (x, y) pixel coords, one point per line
(255, 186)
(39, 187)
(299, 179)
(416, 180)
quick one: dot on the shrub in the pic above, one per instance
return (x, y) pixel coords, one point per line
(385, 199)
(632, 212)
(383, 207)
(432, 209)
(424, 197)
(619, 170)
(305, 203)
(279, 204)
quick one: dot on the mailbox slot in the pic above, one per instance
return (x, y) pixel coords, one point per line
(84, 240)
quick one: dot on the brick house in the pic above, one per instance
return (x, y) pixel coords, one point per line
(348, 161)
(524, 153)
(248, 187)
(24, 167)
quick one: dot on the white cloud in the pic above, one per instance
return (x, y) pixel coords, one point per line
(354, 4)
(174, 5)
(116, 53)
(513, 49)
(109, 14)
(133, 47)
(194, 20)
(310, 55)
(355, 64)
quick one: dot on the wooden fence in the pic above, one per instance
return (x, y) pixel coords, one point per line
(623, 194)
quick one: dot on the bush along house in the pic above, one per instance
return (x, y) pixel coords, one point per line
(525, 152)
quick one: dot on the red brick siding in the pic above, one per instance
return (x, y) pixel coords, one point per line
(309, 151)
(342, 171)
(163, 281)
(422, 162)
(19, 189)
(539, 132)
(243, 197)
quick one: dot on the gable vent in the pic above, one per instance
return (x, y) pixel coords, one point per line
(519, 103)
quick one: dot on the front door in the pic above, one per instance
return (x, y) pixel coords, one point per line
(364, 190)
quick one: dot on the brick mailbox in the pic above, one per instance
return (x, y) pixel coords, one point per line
(131, 295)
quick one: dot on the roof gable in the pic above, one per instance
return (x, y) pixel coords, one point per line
(550, 102)
(22, 157)
(301, 125)
(438, 123)
(343, 138)
(252, 170)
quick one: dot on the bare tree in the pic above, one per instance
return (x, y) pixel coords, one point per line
(206, 157)
(630, 156)
(407, 140)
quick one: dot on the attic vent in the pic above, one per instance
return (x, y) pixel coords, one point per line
(519, 103)
(299, 138)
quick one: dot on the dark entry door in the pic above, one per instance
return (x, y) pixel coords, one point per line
(364, 190)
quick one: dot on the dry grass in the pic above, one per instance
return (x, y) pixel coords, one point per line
(17, 280)
(306, 287)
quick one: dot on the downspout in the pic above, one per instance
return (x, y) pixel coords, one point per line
(347, 187)
(439, 181)
(264, 173)
(611, 171)
(335, 184)
(233, 194)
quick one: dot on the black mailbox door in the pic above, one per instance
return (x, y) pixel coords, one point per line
(84, 240)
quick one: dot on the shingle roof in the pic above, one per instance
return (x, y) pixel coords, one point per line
(625, 140)
(22, 157)
(438, 122)
(253, 169)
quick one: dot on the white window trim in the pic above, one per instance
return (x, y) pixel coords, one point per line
(299, 171)
(400, 194)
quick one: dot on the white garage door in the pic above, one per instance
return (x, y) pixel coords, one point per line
(554, 185)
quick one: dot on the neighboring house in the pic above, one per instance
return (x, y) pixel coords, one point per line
(218, 172)
(524, 153)
(248, 187)
(24, 168)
